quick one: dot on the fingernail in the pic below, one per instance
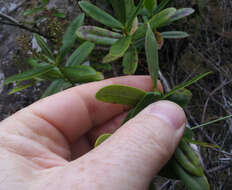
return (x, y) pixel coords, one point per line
(169, 112)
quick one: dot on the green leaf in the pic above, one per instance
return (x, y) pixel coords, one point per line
(101, 139)
(203, 144)
(55, 87)
(188, 133)
(130, 61)
(33, 11)
(174, 34)
(151, 48)
(19, 88)
(147, 99)
(80, 54)
(186, 84)
(98, 35)
(182, 158)
(150, 5)
(29, 74)
(100, 15)
(54, 73)
(120, 94)
(120, 47)
(34, 62)
(44, 46)
(162, 17)
(119, 10)
(109, 58)
(70, 37)
(60, 15)
(134, 14)
(182, 97)
(192, 182)
(181, 13)
(192, 157)
(155, 22)
(81, 73)
(129, 7)
(161, 6)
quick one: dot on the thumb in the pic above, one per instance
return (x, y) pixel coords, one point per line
(137, 151)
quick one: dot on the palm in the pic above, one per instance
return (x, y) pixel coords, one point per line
(47, 135)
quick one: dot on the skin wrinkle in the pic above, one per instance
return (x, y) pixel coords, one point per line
(161, 148)
(17, 146)
(109, 127)
(36, 136)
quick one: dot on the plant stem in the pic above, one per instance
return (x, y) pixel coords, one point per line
(10, 21)
(64, 75)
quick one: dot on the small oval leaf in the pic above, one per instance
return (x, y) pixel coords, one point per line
(44, 46)
(97, 35)
(69, 37)
(174, 34)
(99, 15)
(101, 139)
(119, 48)
(130, 61)
(120, 94)
(182, 97)
(81, 73)
(80, 54)
(151, 48)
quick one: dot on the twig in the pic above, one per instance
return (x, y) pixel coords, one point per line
(15, 23)
(9, 18)
(220, 168)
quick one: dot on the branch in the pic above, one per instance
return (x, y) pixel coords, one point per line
(13, 22)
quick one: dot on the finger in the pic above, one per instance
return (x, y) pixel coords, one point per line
(75, 111)
(108, 127)
(137, 151)
(86, 142)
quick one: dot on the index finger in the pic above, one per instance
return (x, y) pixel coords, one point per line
(75, 111)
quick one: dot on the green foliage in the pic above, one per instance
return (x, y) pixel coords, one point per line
(99, 15)
(120, 94)
(150, 5)
(101, 139)
(69, 37)
(131, 25)
(130, 61)
(97, 35)
(174, 34)
(50, 66)
(151, 49)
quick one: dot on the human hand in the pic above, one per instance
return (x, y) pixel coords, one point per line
(48, 145)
